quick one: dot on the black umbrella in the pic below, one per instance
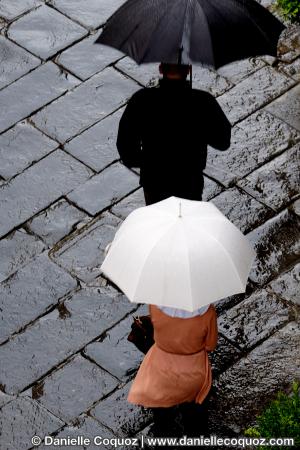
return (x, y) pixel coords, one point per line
(211, 32)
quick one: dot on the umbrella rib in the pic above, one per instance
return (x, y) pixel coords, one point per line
(200, 8)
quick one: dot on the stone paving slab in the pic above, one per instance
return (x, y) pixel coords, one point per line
(38, 187)
(292, 70)
(239, 70)
(52, 31)
(32, 290)
(123, 208)
(16, 251)
(277, 182)
(114, 353)
(31, 419)
(96, 147)
(73, 388)
(11, 9)
(90, 102)
(254, 92)
(254, 141)
(254, 320)
(55, 222)
(277, 245)
(210, 81)
(83, 255)
(31, 92)
(287, 107)
(90, 13)
(82, 318)
(247, 386)
(211, 189)
(241, 209)
(20, 147)
(15, 62)
(287, 285)
(127, 419)
(145, 74)
(87, 58)
(88, 428)
(289, 44)
(102, 190)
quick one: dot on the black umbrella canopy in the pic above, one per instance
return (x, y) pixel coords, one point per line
(211, 32)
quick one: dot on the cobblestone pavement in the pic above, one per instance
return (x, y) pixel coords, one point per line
(65, 363)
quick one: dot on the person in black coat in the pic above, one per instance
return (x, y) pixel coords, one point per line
(165, 132)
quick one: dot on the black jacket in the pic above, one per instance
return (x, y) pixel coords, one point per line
(165, 131)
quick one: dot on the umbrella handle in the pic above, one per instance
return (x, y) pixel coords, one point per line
(191, 75)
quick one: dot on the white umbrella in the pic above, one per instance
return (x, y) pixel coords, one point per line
(179, 253)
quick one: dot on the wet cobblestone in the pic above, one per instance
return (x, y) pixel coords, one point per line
(21, 146)
(56, 392)
(254, 92)
(42, 183)
(52, 31)
(15, 62)
(33, 289)
(55, 222)
(86, 59)
(127, 419)
(64, 328)
(36, 90)
(11, 9)
(84, 106)
(31, 419)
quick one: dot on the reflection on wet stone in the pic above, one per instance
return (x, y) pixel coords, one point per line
(255, 319)
(52, 31)
(78, 375)
(56, 222)
(287, 285)
(32, 290)
(83, 255)
(210, 81)
(224, 356)
(126, 419)
(241, 209)
(244, 389)
(16, 250)
(277, 182)
(31, 419)
(86, 58)
(21, 146)
(36, 89)
(277, 244)
(96, 147)
(90, 102)
(254, 141)
(104, 189)
(114, 353)
(253, 93)
(52, 339)
(15, 61)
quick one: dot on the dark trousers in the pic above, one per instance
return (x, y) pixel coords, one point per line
(153, 196)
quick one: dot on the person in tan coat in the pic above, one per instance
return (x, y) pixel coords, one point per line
(176, 370)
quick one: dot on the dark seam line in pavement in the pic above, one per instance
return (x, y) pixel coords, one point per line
(47, 310)
(30, 121)
(130, 77)
(250, 194)
(219, 183)
(62, 148)
(294, 309)
(50, 5)
(280, 118)
(25, 13)
(263, 105)
(88, 358)
(55, 55)
(70, 357)
(9, 180)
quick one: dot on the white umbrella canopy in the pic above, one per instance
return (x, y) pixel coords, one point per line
(179, 253)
